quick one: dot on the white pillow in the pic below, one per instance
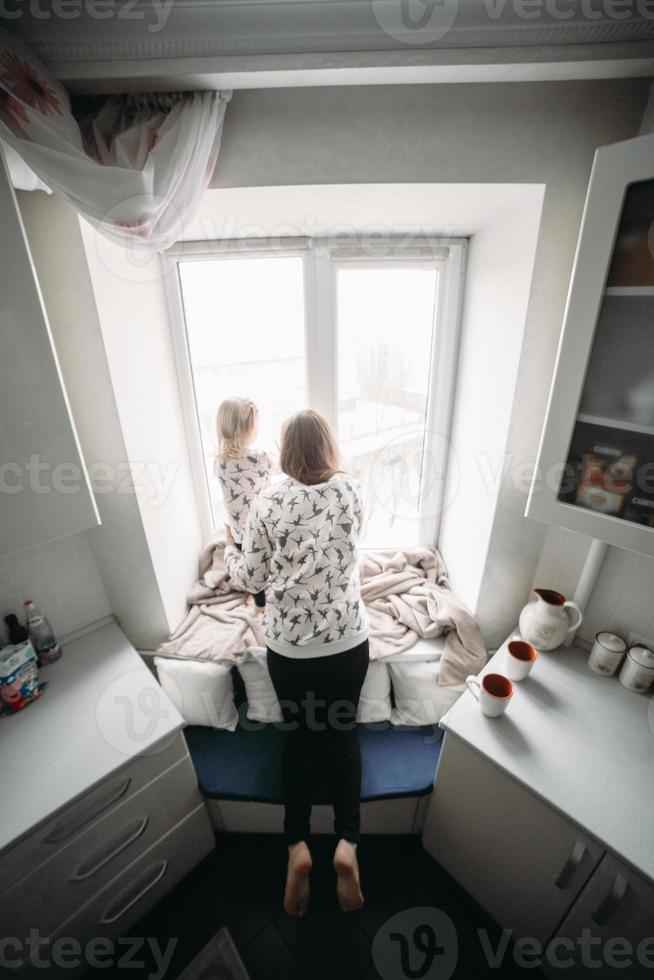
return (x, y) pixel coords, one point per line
(262, 700)
(375, 700)
(418, 698)
(448, 695)
(201, 690)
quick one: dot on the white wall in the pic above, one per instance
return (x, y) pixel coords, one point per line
(622, 598)
(497, 133)
(109, 568)
(61, 577)
(498, 281)
(545, 133)
(131, 306)
(112, 337)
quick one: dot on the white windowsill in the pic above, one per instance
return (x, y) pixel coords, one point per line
(421, 652)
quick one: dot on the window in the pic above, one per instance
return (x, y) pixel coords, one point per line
(245, 328)
(385, 330)
(367, 337)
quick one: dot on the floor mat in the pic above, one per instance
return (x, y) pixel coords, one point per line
(219, 960)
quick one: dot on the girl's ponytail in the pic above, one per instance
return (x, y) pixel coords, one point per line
(235, 423)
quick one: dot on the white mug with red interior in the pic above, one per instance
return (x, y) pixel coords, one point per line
(519, 658)
(493, 691)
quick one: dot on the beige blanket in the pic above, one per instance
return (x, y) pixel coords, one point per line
(407, 597)
(405, 592)
(221, 624)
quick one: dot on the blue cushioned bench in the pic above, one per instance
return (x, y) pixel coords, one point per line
(245, 765)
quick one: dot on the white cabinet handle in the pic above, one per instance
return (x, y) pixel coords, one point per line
(110, 849)
(610, 902)
(69, 827)
(133, 893)
(576, 857)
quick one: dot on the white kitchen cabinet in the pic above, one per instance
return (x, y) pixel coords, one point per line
(595, 471)
(44, 485)
(610, 928)
(545, 815)
(111, 816)
(522, 861)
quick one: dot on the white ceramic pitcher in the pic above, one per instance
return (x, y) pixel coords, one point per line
(545, 621)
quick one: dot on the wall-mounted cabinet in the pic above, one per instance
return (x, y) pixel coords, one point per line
(44, 486)
(595, 471)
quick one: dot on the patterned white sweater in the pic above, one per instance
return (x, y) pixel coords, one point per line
(240, 481)
(300, 546)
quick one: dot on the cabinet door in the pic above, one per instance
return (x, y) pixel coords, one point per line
(595, 469)
(44, 485)
(524, 863)
(610, 928)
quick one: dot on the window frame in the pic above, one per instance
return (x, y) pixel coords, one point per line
(321, 261)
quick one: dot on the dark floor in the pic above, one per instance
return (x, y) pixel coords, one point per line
(240, 886)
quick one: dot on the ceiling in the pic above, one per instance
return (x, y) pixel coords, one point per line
(135, 45)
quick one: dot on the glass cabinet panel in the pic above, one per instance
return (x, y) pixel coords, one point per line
(610, 462)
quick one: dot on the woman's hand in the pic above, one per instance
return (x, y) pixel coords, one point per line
(229, 537)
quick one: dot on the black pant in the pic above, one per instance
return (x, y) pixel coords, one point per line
(319, 697)
(259, 597)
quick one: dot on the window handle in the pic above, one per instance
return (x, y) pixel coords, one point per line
(574, 860)
(610, 902)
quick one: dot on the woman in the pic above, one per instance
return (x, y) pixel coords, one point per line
(300, 545)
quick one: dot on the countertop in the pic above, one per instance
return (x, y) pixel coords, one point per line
(101, 709)
(578, 740)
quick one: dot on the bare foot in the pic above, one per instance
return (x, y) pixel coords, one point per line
(348, 887)
(296, 896)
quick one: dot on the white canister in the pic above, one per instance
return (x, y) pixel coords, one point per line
(637, 671)
(606, 653)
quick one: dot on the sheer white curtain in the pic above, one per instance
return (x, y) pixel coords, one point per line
(135, 165)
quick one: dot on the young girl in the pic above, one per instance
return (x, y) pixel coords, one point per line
(242, 472)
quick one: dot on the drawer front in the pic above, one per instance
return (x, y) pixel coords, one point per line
(501, 844)
(127, 898)
(51, 836)
(114, 910)
(143, 883)
(615, 904)
(53, 892)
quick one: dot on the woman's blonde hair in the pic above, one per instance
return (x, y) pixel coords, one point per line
(235, 425)
(308, 451)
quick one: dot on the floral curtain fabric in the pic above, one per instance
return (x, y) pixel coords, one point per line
(135, 166)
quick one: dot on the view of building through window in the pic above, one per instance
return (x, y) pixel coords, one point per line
(385, 330)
